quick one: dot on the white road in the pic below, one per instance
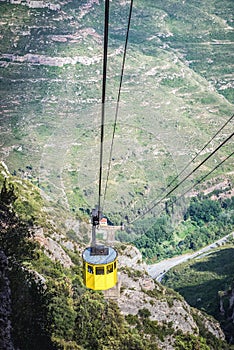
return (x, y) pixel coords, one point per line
(158, 270)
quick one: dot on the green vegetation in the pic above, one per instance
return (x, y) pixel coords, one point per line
(190, 342)
(58, 313)
(31, 325)
(204, 222)
(214, 343)
(100, 325)
(206, 282)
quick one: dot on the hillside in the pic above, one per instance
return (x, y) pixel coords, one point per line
(177, 92)
(44, 304)
(207, 284)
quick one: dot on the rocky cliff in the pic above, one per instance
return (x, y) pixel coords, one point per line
(166, 307)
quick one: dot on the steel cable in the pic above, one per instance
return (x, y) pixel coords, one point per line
(118, 99)
(186, 177)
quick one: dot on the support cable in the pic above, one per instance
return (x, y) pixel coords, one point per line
(186, 177)
(192, 187)
(202, 179)
(118, 98)
(194, 158)
(106, 27)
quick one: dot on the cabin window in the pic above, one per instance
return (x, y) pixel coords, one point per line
(109, 268)
(99, 270)
(115, 265)
(90, 269)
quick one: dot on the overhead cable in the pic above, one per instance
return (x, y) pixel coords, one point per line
(192, 187)
(118, 98)
(202, 178)
(106, 27)
(195, 157)
(204, 147)
(186, 177)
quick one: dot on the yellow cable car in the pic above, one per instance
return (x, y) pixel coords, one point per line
(99, 262)
(100, 267)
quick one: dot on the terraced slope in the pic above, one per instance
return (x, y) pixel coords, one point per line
(177, 92)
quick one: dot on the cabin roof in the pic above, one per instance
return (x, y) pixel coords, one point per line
(99, 259)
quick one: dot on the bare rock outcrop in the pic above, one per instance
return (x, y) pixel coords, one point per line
(52, 248)
(37, 4)
(140, 291)
(226, 307)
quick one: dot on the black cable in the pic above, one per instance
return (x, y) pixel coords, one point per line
(198, 182)
(202, 179)
(106, 27)
(194, 158)
(186, 177)
(118, 98)
(204, 147)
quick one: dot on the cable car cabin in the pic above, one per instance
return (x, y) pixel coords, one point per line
(100, 267)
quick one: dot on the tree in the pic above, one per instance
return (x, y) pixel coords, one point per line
(206, 210)
(15, 234)
(190, 342)
(29, 314)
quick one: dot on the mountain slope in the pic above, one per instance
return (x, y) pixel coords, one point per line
(207, 283)
(46, 304)
(177, 92)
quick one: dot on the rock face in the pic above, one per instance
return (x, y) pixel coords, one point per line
(37, 4)
(139, 291)
(51, 61)
(6, 342)
(162, 306)
(132, 258)
(53, 248)
(227, 311)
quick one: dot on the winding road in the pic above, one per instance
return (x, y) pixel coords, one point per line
(157, 271)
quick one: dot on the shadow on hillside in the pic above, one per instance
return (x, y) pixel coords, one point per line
(205, 297)
(206, 278)
(212, 276)
(220, 262)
